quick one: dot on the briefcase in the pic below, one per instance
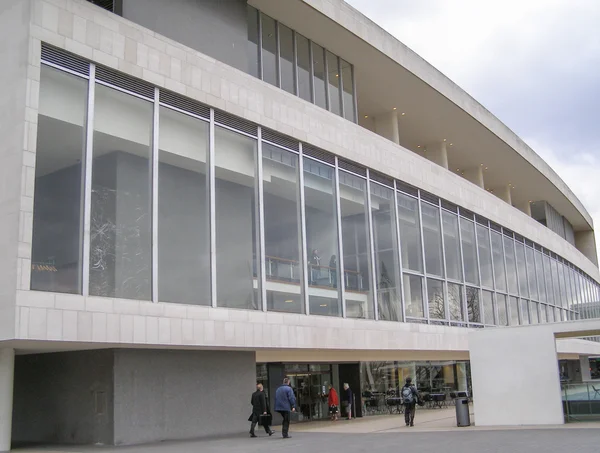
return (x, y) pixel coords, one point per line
(265, 420)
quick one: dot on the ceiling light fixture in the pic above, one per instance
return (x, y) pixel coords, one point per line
(444, 139)
(395, 108)
(289, 301)
(403, 113)
(323, 305)
(366, 116)
(450, 144)
(418, 146)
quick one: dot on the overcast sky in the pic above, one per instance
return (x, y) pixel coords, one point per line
(535, 64)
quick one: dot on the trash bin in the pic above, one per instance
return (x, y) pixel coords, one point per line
(462, 412)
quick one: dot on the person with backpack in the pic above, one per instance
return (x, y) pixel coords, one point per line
(410, 397)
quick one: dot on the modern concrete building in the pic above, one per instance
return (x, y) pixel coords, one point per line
(196, 194)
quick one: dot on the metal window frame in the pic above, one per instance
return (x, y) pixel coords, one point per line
(303, 244)
(212, 209)
(260, 221)
(424, 282)
(465, 314)
(371, 256)
(341, 87)
(277, 55)
(87, 180)
(154, 192)
(444, 266)
(326, 77)
(311, 65)
(260, 47)
(295, 63)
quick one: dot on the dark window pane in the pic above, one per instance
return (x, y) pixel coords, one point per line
(485, 256)
(455, 302)
(286, 49)
(413, 296)
(473, 305)
(304, 76)
(435, 296)
(319, 75)
(469, 250)
(269, 50)
(498, 258)
(253, 67)
(56, 256)
(452, 246)
(410, 233)
(183, 226)
(333, 72)
(432, 239)
(348, 91)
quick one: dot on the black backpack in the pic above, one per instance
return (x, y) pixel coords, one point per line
(408, 396)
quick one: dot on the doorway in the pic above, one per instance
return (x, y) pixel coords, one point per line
(310, 384)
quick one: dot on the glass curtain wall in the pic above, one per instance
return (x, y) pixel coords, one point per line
(283, 269)
(511, 265)
(348, 91)
(269, 50)
(488, 308)
(485, 256)
(469, 251)
(333, 77)
(432, 239)
(253, 51)
(452, 246)
(286, 60)
(355, 239)
(304, 75)
(387, 272)
(473, 305)
(183, 211)
(498, 260)
(120, 228)
(522, 271)
(57, 248)
(455, 302)
(319, 75)
(321, 238)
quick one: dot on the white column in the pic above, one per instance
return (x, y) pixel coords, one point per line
(584, 366)
(504, 194)
(437, 153)
(7, 372)
(525, 207)
(386, 125)
(475, 175)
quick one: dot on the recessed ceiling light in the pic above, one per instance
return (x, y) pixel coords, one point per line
(486, 168)
(366, 116)
(323, 305)
(403, 113)
(450, 144)
(458, 169)
(481, 165)
(395, 108)
(289, 301)
(337, 75)
(444, 139)
(418, 146)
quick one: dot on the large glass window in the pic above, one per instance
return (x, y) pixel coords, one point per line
(543, 314)
(539, 270)
(321, 238)
(386, 252)
(452, 246)
(511, 265)
(355, 241)
(514, 311)
(488, 307)
(120, 236)
(435, 297)
(455, 302)
(469, 251)
(432, 239)
(535, 314)
(555, 282)
(502, 310)
(333, 72)
(498, 258)
(282, 229)
(286, 62)
(348, 91)
(235, 189)
(413, 296)
(473, 305)
(319, 75)
(485, 256)
(56, 256)
(531, 278)
(410, 233)
(253, 56)
(525, 311)
(183, 226)
(269, 49)
(548, 279)
(304, 76)
(521, 269)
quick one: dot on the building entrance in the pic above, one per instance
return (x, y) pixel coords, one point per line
(310, 384)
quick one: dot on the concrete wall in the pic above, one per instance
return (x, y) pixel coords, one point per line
(64, 398)
(17, 93)
(586, 244)
(214, 27)
(163, 395)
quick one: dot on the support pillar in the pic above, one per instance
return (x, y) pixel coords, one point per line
(386, 125)
(504, 194)
(584, 366)
(7, 372)
(475, 175)
(437, 153)
(525, 207)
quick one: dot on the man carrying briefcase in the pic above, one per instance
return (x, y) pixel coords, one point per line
(260, 411)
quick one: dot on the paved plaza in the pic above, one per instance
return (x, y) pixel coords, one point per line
(435, 432)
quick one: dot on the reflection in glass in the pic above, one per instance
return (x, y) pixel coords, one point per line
(452, 246)
(56, 253)
(253, 57)
(455, 302)
(282, 229)
(511, 265)
(539, 270)
(485, 256)
(183, 226)
(319, 75)
(498, 258)
(413, 296)
(543, 314)
(514, 311)
(321, 238)
(432, 239)
(235, 185)
(303, 68)
(502, 310)
(525, 311)
(555, 283)
(488, 307)
(522, 269)
(120, 236)
(387, 274)
(535, 316)
(410, 233)
(469, 251)
(333, 72)
(548, 279)
(269, 49)
(435, 297)
(473, 307)
(286, 62)
(355, 238)
(348, 91)
(531, 277)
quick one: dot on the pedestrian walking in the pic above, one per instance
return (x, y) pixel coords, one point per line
(347, 401)
(260, 411)
(410, 397)
(285, 404)
(333, 401)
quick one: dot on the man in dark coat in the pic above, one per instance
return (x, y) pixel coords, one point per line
(259, 409)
